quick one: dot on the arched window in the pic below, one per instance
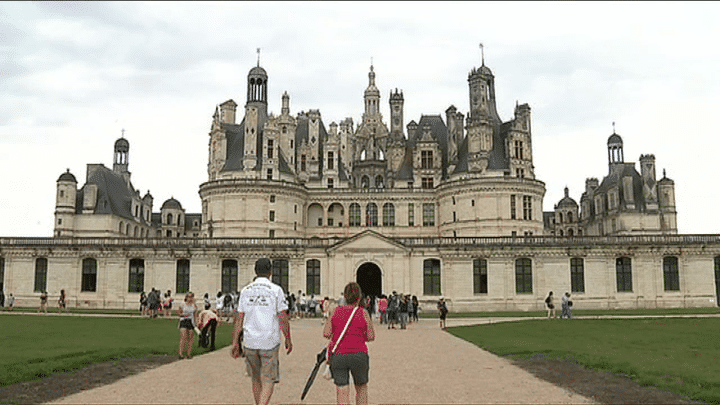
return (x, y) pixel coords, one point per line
(523, 276)
(365, 182)
(570, 232)
(169, 219)
(560, 216)
(41, 267)
(315, 215)
(120, 228)
(136, 276)
(354, 212)
(388, 214)
(229, 280)
(623, 272)
(569, 216)
(127, 229)
(280, 273)
(312, 285)
(182, 276)
(371, 215)
(431, 277)
(379, 182)
(89, 275)
(135, 231)
(671, 273)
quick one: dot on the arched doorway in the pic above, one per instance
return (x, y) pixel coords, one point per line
(369, 277)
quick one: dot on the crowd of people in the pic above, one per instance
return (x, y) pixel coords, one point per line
(565, 306)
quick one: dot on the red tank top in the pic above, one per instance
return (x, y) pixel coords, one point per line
(356, 335)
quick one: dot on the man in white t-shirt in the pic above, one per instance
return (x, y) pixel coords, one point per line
(261, 316)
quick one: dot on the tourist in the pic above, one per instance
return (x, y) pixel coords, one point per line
(207, 322)
(325, 309)
(291, 305)
(219, 303)
(167, 305)
(409, 302)
(61, 301)
(393, 306)
(350, 355)
(383, 308)
(43, 302)
(566, 307)
(2, 298)
(153, 302)
(302, 304)
(416, 305)
(188, 312)
(261, 316)
(227, 305)
(341, 300)
(312, 306)
(550, 305)
(11, 301)
(403, 311)
(143, 304)
(442, 308)
(206, 299)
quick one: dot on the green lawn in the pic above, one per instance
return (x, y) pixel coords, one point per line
(36, 346)
(581, 312)
(678, 354)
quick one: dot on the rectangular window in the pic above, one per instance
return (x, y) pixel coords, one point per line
(427, 183)
(312, 281)
(577, 275)
(431, 277)
(269, 174)
(330, 221)
(330, 183)
(671, 273)
(89, 275)
(182, 276)
(480, 279)
(354, 219)
(426, 159)
(410, 184)
(623, 271)
(41, 266)
(272, 198)
(512, 207)
(302, 163)
(280, 273)
(136, 277)
(523, 276)
(428, 214)
(518, 149)
(229, 281)
(411, 214)
(272, 216)
(271, 234)
(331, 161)
(527, 207)
(270, 149)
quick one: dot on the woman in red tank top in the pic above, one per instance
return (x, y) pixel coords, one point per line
(351, 354)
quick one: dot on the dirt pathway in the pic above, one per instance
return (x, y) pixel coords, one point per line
(420, 365)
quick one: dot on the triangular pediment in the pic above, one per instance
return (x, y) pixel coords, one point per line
(368, 241)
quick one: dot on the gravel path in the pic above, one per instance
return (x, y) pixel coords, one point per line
(420, 365)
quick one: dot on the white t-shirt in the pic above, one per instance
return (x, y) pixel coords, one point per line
(219, 302)
(261, 301)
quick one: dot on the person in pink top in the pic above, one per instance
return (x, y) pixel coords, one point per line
(351, 354)
(383, 308)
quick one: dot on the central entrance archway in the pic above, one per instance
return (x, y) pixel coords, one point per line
(369, 277)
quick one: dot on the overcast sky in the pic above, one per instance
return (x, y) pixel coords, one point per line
(72, 75)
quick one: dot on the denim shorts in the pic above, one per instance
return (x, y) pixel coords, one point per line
(342, 365)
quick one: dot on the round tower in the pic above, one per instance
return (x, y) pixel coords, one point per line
(615, 149)
(65, 200)
(172, 218)
(666, 203)
(120, 159)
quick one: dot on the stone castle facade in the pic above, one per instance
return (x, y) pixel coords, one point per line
(448, 205)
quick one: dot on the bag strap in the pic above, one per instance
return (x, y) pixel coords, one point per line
(344, 330)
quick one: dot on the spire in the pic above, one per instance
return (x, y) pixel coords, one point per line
(613, 124)
(258, 61)
(371, 75)
(482, 54)
(567, 191)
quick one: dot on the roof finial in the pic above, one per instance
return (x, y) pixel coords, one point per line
(122, 132)
(258, 52)
(664, 174)
(482, 53)
(613, 127)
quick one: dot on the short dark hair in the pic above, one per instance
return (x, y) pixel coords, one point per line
(352, 293)
(263, 266)
(207, 306)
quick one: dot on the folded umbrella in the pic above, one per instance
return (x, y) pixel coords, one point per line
(321, 357)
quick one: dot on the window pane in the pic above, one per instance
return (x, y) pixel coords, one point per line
(40, 274)
(89, 275)
(623, 270)
(229, 275)
(371, 215)
(431, 277)
(523, 276)
(136, 277)
(354, 219)
(313, 277)
(388, 215)
(182, 277)
(280, 273)
(480, 276)
(671, 274)
(429, 214)
(577, 274)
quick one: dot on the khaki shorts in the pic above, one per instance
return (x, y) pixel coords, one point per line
(263, 365)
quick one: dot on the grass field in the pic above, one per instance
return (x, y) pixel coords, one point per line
(582, 312)
(37, 346)
(678, 354)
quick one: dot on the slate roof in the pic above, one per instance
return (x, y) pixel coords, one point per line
(67, 176)
(114, 195)
(235, 138)
(614, 180)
